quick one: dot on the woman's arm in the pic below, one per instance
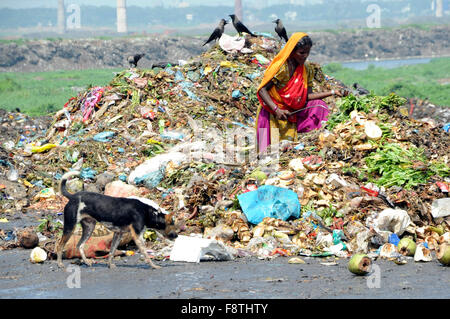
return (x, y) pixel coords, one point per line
(264, 94)
(322, 95)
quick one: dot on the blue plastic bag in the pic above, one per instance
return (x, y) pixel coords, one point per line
(88, 173)
(338, 236)
(447, 127)
(152, 179)
(103, 136)
(393, 239)
(191, 95)
(236, 94)
(179, 76)
(269, 201)
(172, 135)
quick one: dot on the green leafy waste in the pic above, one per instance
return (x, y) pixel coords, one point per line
(394, 165)
(366, 103)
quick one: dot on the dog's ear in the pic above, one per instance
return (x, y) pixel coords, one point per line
(169, 218)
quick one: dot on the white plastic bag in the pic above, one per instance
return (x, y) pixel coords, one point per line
(391, 221)
(156, 164)
(195, 249)
(440, 208)
(230, 44)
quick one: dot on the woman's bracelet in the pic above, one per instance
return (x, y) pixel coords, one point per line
(276, 108)
(332, 92)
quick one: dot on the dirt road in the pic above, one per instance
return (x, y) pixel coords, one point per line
(244, 278)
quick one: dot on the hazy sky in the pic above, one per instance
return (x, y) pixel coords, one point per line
(18, 4)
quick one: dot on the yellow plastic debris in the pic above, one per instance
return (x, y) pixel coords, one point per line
(43, 148)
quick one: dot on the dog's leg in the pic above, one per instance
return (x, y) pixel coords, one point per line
(60, 246)
(88, 226)
(141, 247)
(69, 226)
(114, 244)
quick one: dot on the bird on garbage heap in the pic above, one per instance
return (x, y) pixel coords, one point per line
(280, 30)
(360, 89)
(134, 59)
(217, 33)
(239, 26)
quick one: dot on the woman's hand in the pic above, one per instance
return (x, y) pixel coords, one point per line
(281, 114)
(341, 93)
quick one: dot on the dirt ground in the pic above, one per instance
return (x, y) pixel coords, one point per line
(243, 278)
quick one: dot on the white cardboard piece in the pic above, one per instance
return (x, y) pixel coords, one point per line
(195, 249)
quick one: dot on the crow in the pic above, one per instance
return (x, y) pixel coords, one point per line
(217, 33)
(133, 59)
(239, 26)
(280, 30)
(360, 89)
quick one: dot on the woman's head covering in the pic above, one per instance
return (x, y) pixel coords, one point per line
(280, 58)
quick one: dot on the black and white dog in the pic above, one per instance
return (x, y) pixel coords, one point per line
(118, 214)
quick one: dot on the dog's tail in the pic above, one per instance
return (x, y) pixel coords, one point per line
(62, 184)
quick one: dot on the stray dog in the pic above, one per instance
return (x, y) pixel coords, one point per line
(118, 214)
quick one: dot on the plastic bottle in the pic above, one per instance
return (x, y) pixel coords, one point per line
(12, 175)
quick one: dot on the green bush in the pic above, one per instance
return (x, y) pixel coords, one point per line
(413, 81)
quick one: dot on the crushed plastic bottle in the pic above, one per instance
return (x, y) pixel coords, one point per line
(13, 174)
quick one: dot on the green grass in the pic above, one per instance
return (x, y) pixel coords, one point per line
(420, 80)
(39, 93)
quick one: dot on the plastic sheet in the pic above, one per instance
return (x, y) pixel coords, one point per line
(269, 201)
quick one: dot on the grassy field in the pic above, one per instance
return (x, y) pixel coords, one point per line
(39, 93)
(425, 81)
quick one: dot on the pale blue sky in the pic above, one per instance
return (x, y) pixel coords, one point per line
(53, 3)
(18, 4)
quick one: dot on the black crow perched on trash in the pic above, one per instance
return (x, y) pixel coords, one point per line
(280, 30)
(133, 59)
(360, 89)
(239, 26)
(217, 33)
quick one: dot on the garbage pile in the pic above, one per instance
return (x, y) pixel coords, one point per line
(181, 137)
(17, 130)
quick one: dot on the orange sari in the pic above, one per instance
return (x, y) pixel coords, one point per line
(292, 96)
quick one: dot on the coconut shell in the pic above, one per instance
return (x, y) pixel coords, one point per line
(38, 255)
(422, 253)
(286, 175)
(296, 260)
(445, 239)
(407, 247)
(388, 251)
(372, 131)
(359, 264)
(28, 239)
(443, 254)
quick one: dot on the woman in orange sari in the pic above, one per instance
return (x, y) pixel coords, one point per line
(287, 88)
